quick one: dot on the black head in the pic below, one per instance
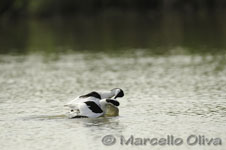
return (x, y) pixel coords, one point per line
(118, 92)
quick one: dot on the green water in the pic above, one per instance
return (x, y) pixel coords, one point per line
(159, 34)
(173, 72)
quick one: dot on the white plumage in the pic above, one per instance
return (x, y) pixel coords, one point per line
(79, 108)
(93, 104)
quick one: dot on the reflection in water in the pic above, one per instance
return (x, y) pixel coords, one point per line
(14, 35)
(117, 32)
(108, 122)
(45, 117)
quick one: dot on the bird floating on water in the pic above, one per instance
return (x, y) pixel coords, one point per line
(95, 104)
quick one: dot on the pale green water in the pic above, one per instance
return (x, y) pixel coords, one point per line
(165, 95)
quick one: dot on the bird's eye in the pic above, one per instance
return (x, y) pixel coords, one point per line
(72, 110)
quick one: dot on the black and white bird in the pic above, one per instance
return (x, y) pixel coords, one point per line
(93, 104)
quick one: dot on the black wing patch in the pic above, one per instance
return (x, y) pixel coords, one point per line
(114, 102)
(92, 94)
(93, 107)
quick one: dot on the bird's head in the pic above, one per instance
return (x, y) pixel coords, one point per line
(117, 92)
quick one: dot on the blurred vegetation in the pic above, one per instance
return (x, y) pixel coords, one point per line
(159, 26)
(71, 7)
(170, 33)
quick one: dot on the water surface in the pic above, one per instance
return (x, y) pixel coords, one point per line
(175, 95)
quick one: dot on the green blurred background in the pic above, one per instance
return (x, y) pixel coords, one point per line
(157, 26)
